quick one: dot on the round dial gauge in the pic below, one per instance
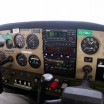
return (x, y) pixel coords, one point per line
(2, 41)
(9, 43)
(90, 45)
(21, 59)
(34, 61)
(19, 41)
(32, 41)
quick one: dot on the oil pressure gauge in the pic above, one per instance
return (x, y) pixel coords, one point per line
(90, 45)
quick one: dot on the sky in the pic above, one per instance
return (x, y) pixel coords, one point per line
(12, 11)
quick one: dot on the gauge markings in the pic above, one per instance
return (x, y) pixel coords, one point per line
(21, 59)
(34, 61)
(90, 45)
(9, 43)
(32, 41)
(19, 41)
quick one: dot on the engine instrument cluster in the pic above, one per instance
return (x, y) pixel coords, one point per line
(61, 52)
(25, 47)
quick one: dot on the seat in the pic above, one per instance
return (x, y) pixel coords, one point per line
(10, 98)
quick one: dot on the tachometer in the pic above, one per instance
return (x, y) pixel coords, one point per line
(90, 45)
(32, 41)
(34, 61)
(19, 41)
(21, 59)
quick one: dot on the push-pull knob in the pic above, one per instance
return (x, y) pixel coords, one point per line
(45, 79)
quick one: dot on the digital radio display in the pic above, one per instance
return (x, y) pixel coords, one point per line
(56, 34)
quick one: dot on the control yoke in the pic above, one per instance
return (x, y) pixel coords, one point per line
(82, 94)
(2, 62)
(6, 60)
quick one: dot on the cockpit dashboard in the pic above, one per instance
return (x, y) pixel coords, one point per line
(63, 49)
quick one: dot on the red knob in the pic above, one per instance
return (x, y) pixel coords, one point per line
(54, 85)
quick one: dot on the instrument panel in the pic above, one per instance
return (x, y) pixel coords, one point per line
(62, 52)
(26, 48)
(89, 51)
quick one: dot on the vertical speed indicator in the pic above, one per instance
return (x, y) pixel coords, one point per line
(90, 45)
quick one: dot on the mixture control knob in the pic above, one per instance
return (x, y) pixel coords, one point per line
(54, 84)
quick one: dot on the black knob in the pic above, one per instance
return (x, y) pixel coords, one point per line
(85, 82)
(87, 68)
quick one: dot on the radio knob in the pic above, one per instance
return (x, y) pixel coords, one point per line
(46, 54)
(6, 81)
(15, 81)
(25, 83)
(36, 80)
(29, 84)
(67, 56)
(51, 54)
(19, 81)
(61, 55)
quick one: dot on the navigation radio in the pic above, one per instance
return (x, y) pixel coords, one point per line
(60, 52)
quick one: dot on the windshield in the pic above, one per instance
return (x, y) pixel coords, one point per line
(51, 10)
